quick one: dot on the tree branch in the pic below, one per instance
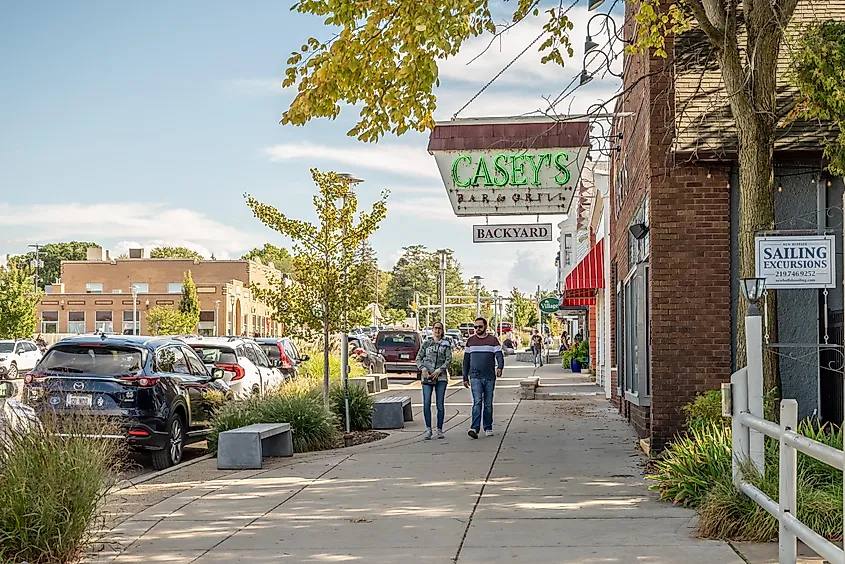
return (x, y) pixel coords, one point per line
(714, 34)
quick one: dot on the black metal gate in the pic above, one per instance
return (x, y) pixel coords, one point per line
(830, 375)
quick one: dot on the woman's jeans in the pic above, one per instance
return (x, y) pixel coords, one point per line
(482, 402)
(440, 399)
(538, 356)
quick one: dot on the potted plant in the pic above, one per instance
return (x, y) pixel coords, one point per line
(577, 356)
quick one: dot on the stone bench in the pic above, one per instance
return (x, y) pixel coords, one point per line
(528, 387)
(244, 448)
(366, 382)
(392, 412)
(381, 383)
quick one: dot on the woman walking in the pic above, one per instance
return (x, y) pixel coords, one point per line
(433, 361)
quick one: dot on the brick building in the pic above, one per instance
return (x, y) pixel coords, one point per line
(96, 294)
(673, 239)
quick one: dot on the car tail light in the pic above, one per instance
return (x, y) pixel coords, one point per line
(142, 381)
(236, 368)
(359, 352)
(138, 433)
(29, 377)
(283, 358)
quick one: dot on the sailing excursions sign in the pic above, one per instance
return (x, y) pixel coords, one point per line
(798, 263)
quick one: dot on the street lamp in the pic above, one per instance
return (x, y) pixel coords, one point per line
(344, 336)
(216, 318)
(444, 257)
(37, 262)
(478, 280)
(134, 289)
(752, 290)
(495, 312)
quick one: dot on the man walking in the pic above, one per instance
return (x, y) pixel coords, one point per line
(483, 363)
(537, 347)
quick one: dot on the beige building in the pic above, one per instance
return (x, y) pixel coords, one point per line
(96, 294)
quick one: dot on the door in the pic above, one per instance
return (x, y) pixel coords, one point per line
(272, 376)
(32, 355)
(172, 360)
(204, 399)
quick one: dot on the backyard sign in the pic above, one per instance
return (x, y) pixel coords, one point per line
(511, 233)
(798, 263)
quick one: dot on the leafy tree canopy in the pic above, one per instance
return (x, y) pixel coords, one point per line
(270, 253)
(18, 301)
(175, 252)
(189, 306)
(52, 255)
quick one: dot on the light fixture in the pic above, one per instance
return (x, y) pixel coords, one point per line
(638, 230)
(829, 183)
(780, 188)
(585, 77)
(709, 173)
(589, 45)
(594, 4)
(62, 303)
(350, 177)
(752, 290)
(147, 303)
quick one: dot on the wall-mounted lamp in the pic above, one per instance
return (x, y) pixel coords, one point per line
(585, 78)
(752, 290)
(638, 230)
(594, 4)
(147, 303)
(62, 303)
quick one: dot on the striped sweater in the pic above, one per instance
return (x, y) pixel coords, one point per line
(482, 356)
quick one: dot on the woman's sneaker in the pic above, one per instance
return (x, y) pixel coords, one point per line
(427, 434)
(488, 433)
(440, 434)
(473, 433)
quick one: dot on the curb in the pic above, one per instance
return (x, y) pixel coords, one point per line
(123, 484)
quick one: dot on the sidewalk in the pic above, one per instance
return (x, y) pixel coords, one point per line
(560, 481)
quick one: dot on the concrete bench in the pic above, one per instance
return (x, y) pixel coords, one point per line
(392, 412)
(244, 448)
(528, 387)
(366, 382)
(380, 382)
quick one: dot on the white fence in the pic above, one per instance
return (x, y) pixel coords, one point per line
(742, 400)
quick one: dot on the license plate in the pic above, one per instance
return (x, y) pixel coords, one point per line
(404, 356)
(78, 401)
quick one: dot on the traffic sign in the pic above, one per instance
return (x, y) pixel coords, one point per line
(549, 305)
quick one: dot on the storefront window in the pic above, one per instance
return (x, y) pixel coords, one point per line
(49, 321)
(76, 322)
(206, 324)
(103, 322)
(634, 365)
(130, 327)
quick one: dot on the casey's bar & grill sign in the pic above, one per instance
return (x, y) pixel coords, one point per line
(510, 166)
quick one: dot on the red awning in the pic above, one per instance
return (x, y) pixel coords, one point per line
(583, 283)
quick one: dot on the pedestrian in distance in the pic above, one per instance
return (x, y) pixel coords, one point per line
(537, 347)
(433, 361)
(40, 343)
(483, 364)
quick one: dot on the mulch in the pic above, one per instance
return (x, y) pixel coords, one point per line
(361, 437)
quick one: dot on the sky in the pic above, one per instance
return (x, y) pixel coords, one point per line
(144, 123)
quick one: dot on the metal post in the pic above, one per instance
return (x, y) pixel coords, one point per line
(495, 316)
(787, 482)
(754, 348)
(444, 258)
(539, 313)
(427, 310)
(135, 324)
(417, 311)
(739, 405)
(217, 318)
(37, 248)
(477, 296)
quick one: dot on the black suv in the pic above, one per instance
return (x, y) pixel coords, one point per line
(157, 388)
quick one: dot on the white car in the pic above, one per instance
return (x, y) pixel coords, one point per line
(246, 368)
(16, 357)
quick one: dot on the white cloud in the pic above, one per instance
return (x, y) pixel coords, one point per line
(405, 160)
(532, 267)
(152, 224)
(255, 86)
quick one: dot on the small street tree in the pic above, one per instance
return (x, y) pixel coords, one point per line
(521, 309)
(163, 320)
(175, 252)
(18, 301)
(328, 286)
(189, 306)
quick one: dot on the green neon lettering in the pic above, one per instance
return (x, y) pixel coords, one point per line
(500, 169)
(455, 178)
(481, 171)
(538, 165)
(563, 176)
(518, 171)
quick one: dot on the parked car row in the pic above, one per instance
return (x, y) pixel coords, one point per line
(16, 357)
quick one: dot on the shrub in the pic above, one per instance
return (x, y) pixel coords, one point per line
(360, 407)
(456, 367)
(704, 410)
(52, 488)
(313, 367)
(312, 426)
(693, 463)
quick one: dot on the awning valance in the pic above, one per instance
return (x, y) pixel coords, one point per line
(584, 281)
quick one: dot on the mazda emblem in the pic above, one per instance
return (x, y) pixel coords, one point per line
(77, 386)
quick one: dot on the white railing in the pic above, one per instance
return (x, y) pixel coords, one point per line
(742, 401)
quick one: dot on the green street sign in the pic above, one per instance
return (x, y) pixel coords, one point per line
(549, 305)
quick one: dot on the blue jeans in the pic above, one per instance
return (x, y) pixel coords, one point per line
(538, 356)
(440, 399)
(482, 402)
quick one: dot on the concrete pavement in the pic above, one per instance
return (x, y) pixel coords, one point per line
(560, 481)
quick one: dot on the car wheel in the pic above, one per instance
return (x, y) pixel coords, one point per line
(171, 454)
(13, 371)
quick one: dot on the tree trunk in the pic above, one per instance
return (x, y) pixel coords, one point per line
(325, 355)
(756, 213)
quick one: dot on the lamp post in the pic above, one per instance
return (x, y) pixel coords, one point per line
(495, 316)
(216, 318)
(37, 264)
(344, 336)
(232, 308)
(134, 289)
(753, 289)
(444, 257)
(478, 280)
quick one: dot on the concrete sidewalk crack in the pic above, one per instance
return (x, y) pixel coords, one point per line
(486, 479)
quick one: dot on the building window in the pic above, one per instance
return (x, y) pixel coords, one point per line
(94, 288)
(103, 322)
(49, 321)
(207, 324)
(141, 287)
(174, 288)
(131, 327)
(634, 339)
(76, 322)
